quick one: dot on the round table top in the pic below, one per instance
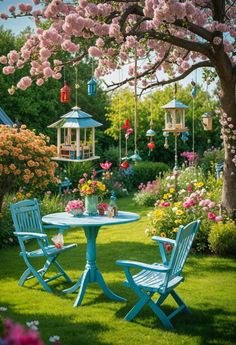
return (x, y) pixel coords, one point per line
(64, 218)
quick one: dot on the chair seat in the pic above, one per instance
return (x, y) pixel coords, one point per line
(50, 250)
(154, 281)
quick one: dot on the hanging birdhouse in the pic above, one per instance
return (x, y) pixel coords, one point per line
(65, 93)
(92, 87)
(175, 117)
(207, 121)
(76, 136)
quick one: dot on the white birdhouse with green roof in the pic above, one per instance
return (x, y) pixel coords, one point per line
(175, 116)
(76, 136)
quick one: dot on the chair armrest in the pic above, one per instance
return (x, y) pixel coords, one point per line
(163, 240)
(30, 234)
(153, 267)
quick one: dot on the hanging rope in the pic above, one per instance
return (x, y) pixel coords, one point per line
(119, 109)
(76, 86)
(135, 100)
(194, 93)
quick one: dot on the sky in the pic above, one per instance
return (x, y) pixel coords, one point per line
(19, 24)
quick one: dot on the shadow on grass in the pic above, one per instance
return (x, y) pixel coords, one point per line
(71, 333)
(210, 325)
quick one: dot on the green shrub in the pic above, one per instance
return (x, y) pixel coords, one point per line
(112, 155)
(147, 171)
(74, 171)
(209, 159)
(222, 238)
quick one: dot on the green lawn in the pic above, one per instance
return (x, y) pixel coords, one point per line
(209, 291)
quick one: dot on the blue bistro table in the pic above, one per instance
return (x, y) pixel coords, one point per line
(91, 226)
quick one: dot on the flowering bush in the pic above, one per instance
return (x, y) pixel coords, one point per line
(75, 205)
(222, 238)
(16, 334)
(91, 186)
(25, 160)
(190, 156)
(148, 193)
(190, 203)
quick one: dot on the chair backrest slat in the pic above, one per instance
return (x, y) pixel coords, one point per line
(182, 247)
(26, 216)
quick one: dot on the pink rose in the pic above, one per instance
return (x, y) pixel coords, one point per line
(218, 219)
(81, 181)
(211, 216)
(165, 204)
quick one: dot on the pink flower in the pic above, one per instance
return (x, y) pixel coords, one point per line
(211, 216)
(211, 204)
(85, 175)
(165, 204)
(81, 181)
(218, 219)
(95, 52)
(11, 8)
(186, 204)
(106, 165)
(24, 83)
(189, 188)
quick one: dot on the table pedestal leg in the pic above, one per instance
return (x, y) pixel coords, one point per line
(91, 273)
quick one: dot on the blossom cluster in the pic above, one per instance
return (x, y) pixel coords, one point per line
(86, 19)
(75, 205)
(25, 158)
(91, 186)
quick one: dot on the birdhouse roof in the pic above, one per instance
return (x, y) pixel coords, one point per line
(92, 82)
(175, 104)
(76, 119)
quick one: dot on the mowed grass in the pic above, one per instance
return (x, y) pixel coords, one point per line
(209, 291)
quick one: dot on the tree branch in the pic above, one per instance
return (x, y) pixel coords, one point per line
(180, 77)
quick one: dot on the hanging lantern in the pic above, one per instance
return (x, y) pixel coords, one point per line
(92, 86)
(184, 136)
(124, 165)
(150, 133)
(207, 121)
(151, 145)
(65, 93)
(175, 117)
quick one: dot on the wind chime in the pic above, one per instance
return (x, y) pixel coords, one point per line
(207, 117)
(174, 122)
(135, 157)
(151, 133)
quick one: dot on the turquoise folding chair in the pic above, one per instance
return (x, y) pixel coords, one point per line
(161, 278)
(28, 226)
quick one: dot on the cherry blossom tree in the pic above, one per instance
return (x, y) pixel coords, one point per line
(176, 37)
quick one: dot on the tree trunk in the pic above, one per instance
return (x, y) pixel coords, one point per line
(228, 106)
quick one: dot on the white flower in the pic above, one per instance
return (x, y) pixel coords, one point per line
(3, 309)
(174, 209)
(54, 338)
(33, 324)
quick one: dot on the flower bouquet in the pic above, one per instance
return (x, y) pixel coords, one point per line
(88, 187)
(75, 207)
(102, 207)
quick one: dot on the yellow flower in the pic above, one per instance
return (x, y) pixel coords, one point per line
(172, 190)
(198, 184)
(175, 229)
(179, 212)
(165, 196)
(178, 221)
(177, 204)
(163, 234)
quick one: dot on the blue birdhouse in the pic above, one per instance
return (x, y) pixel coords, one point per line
(92, 86)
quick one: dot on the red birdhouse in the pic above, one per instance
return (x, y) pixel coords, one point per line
(65, 94)
(151, 145)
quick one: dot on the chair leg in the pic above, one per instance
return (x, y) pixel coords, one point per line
(161, 315)
(137, 307)
(180, 302)
(60, 269)
(24, 277)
